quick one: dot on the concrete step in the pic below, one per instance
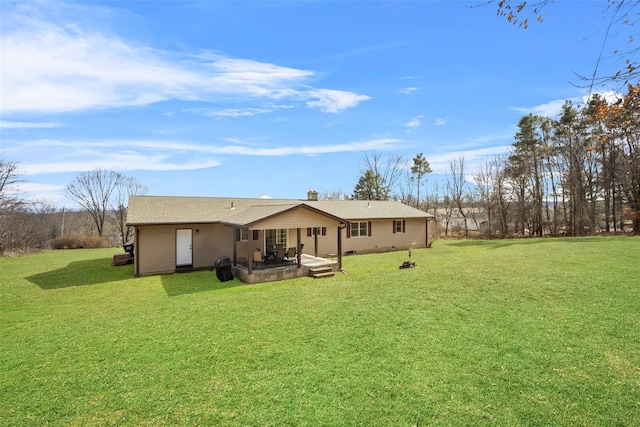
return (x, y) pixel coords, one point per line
(320, 272)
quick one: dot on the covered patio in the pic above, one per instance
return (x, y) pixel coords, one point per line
(268, 243)
(282, 271)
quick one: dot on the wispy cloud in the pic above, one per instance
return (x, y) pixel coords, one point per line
(408, 90)
(333, 101)
(440, 122)
(57, 61)
(228, 112)
(414, 123)
(128, 155)
(122, 161)
(610, 96)
(549, 109)
(29, 125)
(473, 158)
(554, 108)
(41, 192)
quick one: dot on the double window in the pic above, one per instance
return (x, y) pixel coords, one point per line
(360, 229)
(276, 237)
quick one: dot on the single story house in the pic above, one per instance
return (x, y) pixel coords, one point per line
(186, 233)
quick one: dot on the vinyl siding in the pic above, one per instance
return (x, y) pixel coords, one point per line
(157, 246)
(383, 239)
(297, 218)
(156, 249)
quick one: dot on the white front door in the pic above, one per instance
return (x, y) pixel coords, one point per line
(184, 247)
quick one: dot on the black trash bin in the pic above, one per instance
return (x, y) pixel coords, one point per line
(128, 247)
(223, 269)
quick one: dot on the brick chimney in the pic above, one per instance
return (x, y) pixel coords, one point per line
(312, 195)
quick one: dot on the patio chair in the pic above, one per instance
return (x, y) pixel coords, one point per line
(291, 256)
(280, 254)
(258, 258)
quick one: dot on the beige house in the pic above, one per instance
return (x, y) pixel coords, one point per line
(266, 239)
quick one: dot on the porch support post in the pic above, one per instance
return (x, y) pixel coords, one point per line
(298, 251)
(250, 262)
(340, 248)
(315, 241)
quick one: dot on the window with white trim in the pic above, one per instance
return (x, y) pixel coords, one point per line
(398, 226)
(276, 237)
(359, 229)
(244, 234)
(316, 231)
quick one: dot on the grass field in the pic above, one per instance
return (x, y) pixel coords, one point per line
(515, 332)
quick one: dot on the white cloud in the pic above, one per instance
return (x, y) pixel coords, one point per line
(228, 112)
(609, 96)
(440, 122)
(550, 109)
(54, 65)
(554, 108)
(129, 155)
(414, 123)
(333, 101)
(28, 125)
(440, 162)
(38, 192)
(408, 90)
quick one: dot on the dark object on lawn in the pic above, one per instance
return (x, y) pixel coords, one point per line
(223, 269)
(408, 264)
(121, 259)
(128, 247)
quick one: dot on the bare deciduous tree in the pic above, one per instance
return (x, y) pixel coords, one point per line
(92, 190)
(9, 177)
(389, 170)
(456, 186)
(125, 187)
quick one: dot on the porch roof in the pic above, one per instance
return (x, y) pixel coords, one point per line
(255, 214)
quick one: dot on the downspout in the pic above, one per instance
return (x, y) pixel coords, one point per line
(426, 237)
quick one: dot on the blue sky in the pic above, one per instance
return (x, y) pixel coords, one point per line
(271, 98)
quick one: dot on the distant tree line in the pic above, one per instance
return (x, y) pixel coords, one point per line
(27, 226)
(576, 175)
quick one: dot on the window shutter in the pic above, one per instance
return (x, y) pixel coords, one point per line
(324, 231)
(369, 228)
(255, 234)
(348, 230)
(308, 232)
(403, 226)
(237, 234)
(393, 223)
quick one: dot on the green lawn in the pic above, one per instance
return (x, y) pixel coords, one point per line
(515, 332)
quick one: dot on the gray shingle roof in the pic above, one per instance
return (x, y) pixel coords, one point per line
(197, 210)
(363, 209)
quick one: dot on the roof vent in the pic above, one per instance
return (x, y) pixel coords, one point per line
(232, 208)
(312, 195)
